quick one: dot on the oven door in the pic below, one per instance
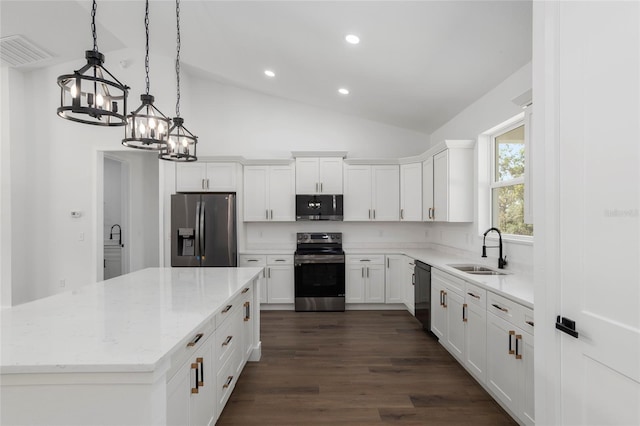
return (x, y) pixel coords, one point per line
(319, 282)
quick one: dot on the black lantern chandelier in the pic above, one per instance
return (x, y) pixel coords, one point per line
(92, 95)
(146, 127)
(182, 143)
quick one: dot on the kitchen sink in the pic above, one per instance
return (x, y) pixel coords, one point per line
(477, 270)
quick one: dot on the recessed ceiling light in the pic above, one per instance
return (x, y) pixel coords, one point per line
(343, 91)
(269, 73)
(352, 38)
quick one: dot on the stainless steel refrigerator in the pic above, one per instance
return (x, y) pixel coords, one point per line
(203, 230)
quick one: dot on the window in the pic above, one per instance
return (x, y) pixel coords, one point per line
(507, 184)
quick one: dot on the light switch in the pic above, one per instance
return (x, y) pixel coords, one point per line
(76, 214)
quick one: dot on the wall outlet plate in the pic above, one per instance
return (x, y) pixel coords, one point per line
(76, 214)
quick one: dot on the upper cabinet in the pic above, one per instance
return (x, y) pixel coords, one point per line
(269, 193)
(371, 192)
(411, 192)
(206, 177)
(447, 183)
(321, 175)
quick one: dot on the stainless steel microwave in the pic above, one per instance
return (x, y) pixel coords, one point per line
(319, 207)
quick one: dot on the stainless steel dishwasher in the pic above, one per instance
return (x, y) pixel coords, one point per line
(422, 292)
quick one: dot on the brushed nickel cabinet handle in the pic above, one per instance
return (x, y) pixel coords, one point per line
(195, 340)
(401, 213)
(321, 187)
(316, 186)
(266, 214)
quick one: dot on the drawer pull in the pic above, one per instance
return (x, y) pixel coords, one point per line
(475, 296)
(280, 260)
(245, 290)
(512, 333)
(201, 362)
(247, 311)
(252, 260)
(464, 312)
(228, 383)
(530, 323)
(227, 309)
(444, 299)
(518, 337)
(194, 366)
(365, 260)
(227, 341)
(499, 307)
(195, 340)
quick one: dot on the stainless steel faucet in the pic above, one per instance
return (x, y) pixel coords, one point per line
(502, 262)
(119, 234)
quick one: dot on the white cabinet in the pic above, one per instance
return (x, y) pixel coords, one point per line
(365, 279)
(475, 335)
(448, 184)
(278, 279)
(248, 322)
(206, 177)
(319, 175)
(371, 192)
(269, 193)
(510, 355)
(448, 314)
(411, 192)
(395, 278)
(410, 282)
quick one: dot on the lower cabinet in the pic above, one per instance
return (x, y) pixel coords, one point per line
(409, 286)
(491, 336)
(278, 283)
(365, 276)
(395, 278)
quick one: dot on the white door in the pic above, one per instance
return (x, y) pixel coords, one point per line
(441, 186)
(331, 175)
(357, 193)
(475, 344)
(280, 284)
(374, 292)
(395, 278)
(354, 286)
(409, 286)
(221, 177)
(190, 177)
(438, 311)
(386, 193)
(455, 325)
(599, 219)
(411, 192)
(427, 190)
(503, 373)
(307, 173)
(282, 197)
(256, 185)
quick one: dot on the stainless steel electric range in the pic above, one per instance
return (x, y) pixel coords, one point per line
(319, 272)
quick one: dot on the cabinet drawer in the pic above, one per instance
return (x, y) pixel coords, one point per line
(279, 259)
(226, 378)
(503, 308)
(227, 311)
(454, 284)
(253, 260)
(228, 336)
(377, 259)
(525, 319)
(190, 346)
(476, 296)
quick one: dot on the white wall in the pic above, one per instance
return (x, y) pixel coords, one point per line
(112, 200)
(493, 108)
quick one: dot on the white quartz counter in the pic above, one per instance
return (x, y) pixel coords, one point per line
(517, 286)
(130, 323)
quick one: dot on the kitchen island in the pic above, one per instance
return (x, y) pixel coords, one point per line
(157, 346)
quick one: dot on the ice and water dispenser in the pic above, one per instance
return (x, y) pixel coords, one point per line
(186, 242)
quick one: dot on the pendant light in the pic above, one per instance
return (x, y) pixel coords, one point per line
(182, 143)
(92, 95)
(146, 128)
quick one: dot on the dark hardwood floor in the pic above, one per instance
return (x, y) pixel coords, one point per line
(355, 368)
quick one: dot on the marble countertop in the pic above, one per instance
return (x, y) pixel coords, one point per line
(131, 323)
(515, 285)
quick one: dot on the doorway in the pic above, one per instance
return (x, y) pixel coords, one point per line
(115, 228)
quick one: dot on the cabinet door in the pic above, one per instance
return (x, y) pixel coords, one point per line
(527, 411)
(191, 177)
(411, 192)
(307, 175)
(256, 185)
(475, 344)
(280, 284)
(438, 310)
(178, 396)
(331, 175)
(395, 281)
(409, 286)
(374, 287)
(282, 197)
(386, 193)
(221, 177)
(427, 190)
(357, 193)
(248, 316)
(441, 186)
(354, 284)
(502, 371)
(455, 325)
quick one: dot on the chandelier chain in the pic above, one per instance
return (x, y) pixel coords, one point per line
(146, 57)
(93, 26)
(178, 58)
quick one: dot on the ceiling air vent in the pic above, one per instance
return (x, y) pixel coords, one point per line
(17, 51)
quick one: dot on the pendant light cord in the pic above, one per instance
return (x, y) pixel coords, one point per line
(93, 26)
(178, 58)
(146, 58)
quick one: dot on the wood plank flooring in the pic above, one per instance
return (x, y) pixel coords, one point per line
(355, 368)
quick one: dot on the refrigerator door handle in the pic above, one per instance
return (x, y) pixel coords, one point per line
(203, 231)
(198, 230)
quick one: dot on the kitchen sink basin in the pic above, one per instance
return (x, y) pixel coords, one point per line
(477, 270)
